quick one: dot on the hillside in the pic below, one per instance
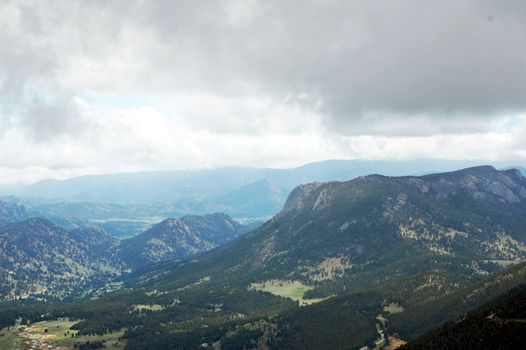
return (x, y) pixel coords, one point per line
(349, 321)
(346, 234)
(498, 324)
(354, 320)
(343, 265)
(408, 249)
(179, 238)
(37, 257)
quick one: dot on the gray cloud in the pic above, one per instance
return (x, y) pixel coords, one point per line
(101, 86)
(354, 62)
(44, 120)
(361, 60)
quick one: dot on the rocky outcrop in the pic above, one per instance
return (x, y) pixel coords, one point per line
(297, 197)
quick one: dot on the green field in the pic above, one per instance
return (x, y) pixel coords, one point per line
(393, 309)
(9, 339)
(287, 289)
(55, 335)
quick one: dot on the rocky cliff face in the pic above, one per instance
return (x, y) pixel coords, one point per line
(484, 182)
(476, 211)
(298, 197)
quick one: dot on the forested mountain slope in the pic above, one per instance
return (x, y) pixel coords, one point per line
(346, 234)
(40, 259)
(344, 265)
(37, 257)
(179, 238)
(498, 324)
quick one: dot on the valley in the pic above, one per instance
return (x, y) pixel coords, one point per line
(376, 261)
(44, 261)
(56, 335)
(262, 175)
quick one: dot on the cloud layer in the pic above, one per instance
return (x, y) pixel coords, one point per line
(90, 87)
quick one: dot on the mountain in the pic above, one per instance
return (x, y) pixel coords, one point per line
(10, 213)
(498, 324)
(239, 192)
(178, 238)
(121, 221)
(522, 170)
(344, 234)
(345, 264)
(368, 317)
(37, 257)
(265, 196)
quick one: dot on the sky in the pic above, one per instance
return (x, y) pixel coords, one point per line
(90, 87)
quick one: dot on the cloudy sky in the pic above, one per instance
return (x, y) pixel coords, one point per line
(106, 86)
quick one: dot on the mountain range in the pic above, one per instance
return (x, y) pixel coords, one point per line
(42, 259)
(406, 241)
(239, 192)
(380, 227)
(127, 204)
(373, 261)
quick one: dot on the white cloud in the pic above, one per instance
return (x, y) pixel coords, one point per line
(144, 138)
(92, 87)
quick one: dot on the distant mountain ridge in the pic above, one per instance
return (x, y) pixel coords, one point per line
(239, 192)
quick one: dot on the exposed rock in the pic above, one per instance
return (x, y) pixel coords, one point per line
(297, 197)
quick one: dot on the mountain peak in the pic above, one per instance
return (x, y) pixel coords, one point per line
(480, 182)
(480, 170)
(34, 223)
(177, 238)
